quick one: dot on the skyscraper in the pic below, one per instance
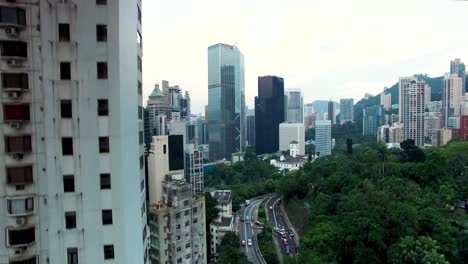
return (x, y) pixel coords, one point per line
(412, 109)
(372, 118)
(289, 132)
(226, 103)
(323, 141)
(269, 113)
(452, 97)
(250, 130)
(294, 106)
(459, 68)
(71, 120)
(331, 112)
(346, 110)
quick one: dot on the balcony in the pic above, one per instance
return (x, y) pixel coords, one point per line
(15, 145)
(14, 84)
(20, 206)
(16, 114)
(12, 17)
(19, 175)
(27, 259)
(20, 237)
(14, 53)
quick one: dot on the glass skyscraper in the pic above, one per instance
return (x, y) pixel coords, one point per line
(226, 103)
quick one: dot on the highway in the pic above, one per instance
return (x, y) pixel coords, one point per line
(248, 230)
(276, 219)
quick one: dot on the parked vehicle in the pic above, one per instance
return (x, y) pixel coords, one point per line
(258, 223)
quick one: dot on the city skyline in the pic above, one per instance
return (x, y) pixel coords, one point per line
(375, 54)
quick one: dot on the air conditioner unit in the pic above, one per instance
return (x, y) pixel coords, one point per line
(14, 95)
(21, 220)
(11, 31)
(16, 125)
(18, 156)
(14, 62)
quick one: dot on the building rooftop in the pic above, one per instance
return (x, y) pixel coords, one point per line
(291, 159)
(294, 142)
(223, 197)
(225, 221)
(156, 92)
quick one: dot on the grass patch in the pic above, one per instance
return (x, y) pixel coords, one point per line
(262, 215)
(267, 246)
(296, 212)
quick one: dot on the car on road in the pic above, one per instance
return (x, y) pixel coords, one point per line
(242, 219)
(291, 234)
(258, 223)
(270, 208)
(283, 234)
(249, 242)
(243, 243)
(285, 242)
(247, 218)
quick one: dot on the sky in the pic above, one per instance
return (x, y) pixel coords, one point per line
(330, 49)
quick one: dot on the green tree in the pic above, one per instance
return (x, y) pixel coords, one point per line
(229, 250)
(211, 213)
(418, 250)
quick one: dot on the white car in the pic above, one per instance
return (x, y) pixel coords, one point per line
(249, 242)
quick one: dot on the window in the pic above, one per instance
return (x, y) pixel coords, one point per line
(177, 216)
(105, 181)
(103, 107)
(12, 15)
(66, 108)
(15, 80)
(68, 183)
(140, 137)
(64, 32)
(19, 175)
(186, 202)
(14, 49)
(186, 212)
(18, 237)
(179, 249)
(142, 162)
(20, 206)
(103, 144)
(65, 71)
(67, 146)
(139, 64)
(13, 113)
(164, 149)
(142, 185)
(140, 112)
(70, 220)
(107, 217)
(101, 2)
(18, 144)
(187, 245)
(102, 70)
(101, 33)
(187, 223)
(139, 87)
(108, 251)
(139, 14)
(72, 256)
(27, 260)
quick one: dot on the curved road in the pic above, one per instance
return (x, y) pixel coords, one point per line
(276, 219)
(248, 230)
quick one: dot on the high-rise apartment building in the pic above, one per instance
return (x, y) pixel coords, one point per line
(452, 97)
(289, 132)
(224, 222)
(412, 108)
(269, 113)
(194, 167)
(294, 106)
(226, 102)
(390, 133)
(386, 101)
(346, 111)
(372, 118)
(459, 68)
(250, 127)
(427, 94)
(432, 121)
(323, 141)
(70, 129)
(332, 112)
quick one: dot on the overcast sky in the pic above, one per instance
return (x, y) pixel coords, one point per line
(331, 49)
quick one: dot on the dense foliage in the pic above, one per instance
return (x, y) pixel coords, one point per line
(230, 252)
(381, 206)
(211, 213)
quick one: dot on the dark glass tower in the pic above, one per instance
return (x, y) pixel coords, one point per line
(226, 103)
(269, 113)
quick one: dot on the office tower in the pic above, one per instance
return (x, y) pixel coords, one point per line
(177, 224)
(67, 113)
(346, 111)
(157, 106)
(309, 109)
(412, 107)
(294, 106)
(191, 132)
(372, 118)
(289, 132)
(250, 135)
(226, 103)
(452, 97)
(224, 222)
(202, 131)
(194, 167)
(331, 114)
(454, 122)
(458, 67)
(386, 101)
(166, 157)
(161, 126)
(269, 113)
(323, 139)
